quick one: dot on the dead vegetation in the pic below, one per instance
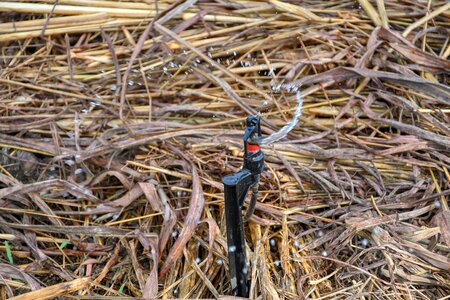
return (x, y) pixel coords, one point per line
(118, 120)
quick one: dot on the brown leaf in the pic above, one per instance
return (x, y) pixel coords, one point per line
(442, 220)
(128, 198)
(70, 187)
(122, 178)
(419, 132)
(10, 271)
(170, 219)
(151, 284)
(407, 49)
(213, 229)
(190, 223)
(439, 91)
(420, 57)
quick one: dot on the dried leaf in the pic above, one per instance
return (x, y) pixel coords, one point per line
(437, 90)
(50, 292)
(190, 223)
(442, 220)
(151, 284)
(418, 56)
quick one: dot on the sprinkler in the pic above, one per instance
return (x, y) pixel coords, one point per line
(237, 186)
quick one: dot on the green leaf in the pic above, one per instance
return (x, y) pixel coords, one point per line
(121, 288)
(63, 244)
(9, 253)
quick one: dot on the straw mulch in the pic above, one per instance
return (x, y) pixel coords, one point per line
(118, 120)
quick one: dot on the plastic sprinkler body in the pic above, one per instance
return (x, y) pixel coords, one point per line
(236, 188)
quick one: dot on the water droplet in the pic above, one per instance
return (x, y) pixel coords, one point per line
(364, 243)
(198, 260)
(165, 69)
(272, 242)
(69, 162)
(197, 60)
(437, 204)
(209, 54)
(78, 171)
(234, 54)
(276, 263)
(130, 82)
(174, 234)
(232, 248)
(296, 244)
(219, 261)
(377, 230)
(324, 253)
(320, 233)
(245, 270)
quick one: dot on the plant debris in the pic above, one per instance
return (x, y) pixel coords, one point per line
(119, 119)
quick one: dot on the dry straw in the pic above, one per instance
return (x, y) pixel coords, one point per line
(119, 118)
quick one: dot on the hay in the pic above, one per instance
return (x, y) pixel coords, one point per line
(118, 120)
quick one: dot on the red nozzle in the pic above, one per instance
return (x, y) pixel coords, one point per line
(253, 148)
